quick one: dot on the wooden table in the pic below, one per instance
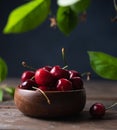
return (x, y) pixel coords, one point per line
(97, 91)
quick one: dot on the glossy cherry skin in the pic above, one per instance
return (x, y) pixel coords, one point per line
(46, 88)
(44, 77)
(28, 84)
(77, 83)
(59, 73)
(74, 73)
(27, 75)
(97, 110)
(48, 67)
(64, 85)
(43, 88)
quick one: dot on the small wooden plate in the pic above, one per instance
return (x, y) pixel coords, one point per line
(62, 103)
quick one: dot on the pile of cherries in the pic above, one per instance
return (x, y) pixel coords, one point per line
(55, 78)
(50, 78)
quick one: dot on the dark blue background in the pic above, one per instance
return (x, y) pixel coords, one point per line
(42, 46)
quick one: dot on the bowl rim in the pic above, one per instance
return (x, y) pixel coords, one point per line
(54, 91)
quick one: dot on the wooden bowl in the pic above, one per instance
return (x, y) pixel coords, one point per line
(62, 103)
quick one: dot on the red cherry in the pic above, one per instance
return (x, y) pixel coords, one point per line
(64, 85)
(46, 88)
(52, 89)
(43, 88)
(48, 67)
(74, 73)
(27, 75)
(59, 73)
(77, 83)
(44, 77)
(97, 110)
(28, 84)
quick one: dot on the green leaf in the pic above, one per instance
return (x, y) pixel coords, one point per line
(67, 19)
(103, 64)
(66, 2)
(10, 90)
(81, 6)
(3, 70)
(1, 95)
(27, 16)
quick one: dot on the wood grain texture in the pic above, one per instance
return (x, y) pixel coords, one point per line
(65, 103)
(97, 91)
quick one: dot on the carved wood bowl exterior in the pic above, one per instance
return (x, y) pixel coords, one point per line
(62, 103)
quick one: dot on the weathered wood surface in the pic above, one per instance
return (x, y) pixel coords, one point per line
(97, 91)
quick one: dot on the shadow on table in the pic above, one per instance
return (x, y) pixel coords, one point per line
(83, 117)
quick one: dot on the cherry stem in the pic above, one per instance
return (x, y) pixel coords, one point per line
(42, 92)
(88, 74)
(63, 56)
(65, 67)
(111, 106)
(24, 64)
